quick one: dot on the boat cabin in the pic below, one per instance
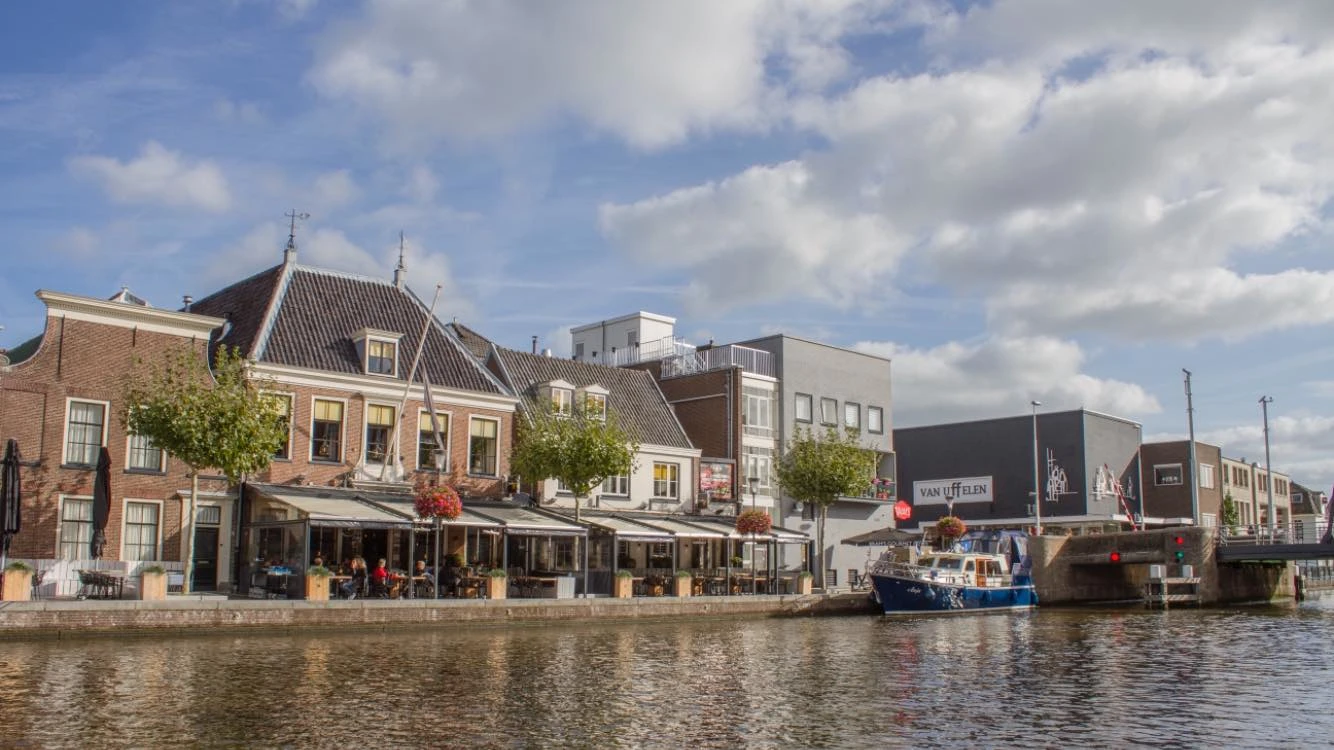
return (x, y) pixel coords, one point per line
(965, 569)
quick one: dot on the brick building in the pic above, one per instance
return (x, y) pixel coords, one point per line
(61, 399)
(1168, 478)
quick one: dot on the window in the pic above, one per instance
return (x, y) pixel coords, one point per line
(579, 350)
(757, 414)
(562, 487)
(426, 446)
(76, 528)
(562, 400)
(84, 432)
(143, 455)
(283, 403)
(828, 411)
(380, 356)
(666, 479)
(756, 462)
(208, 515)
(1167, 474)
(875, 420)
(141, 531)
(617, 485)
(595, 405)
(482, 446)
(326, 432)
(1207, 476)
(852, 416)
(379, 426)
(631, 339)
(801, 408)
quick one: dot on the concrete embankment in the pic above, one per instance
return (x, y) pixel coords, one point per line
(77, 619)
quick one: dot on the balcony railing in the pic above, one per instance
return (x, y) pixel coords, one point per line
(754, 361)
(648, 351)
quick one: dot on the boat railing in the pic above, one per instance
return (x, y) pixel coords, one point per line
(908, 570)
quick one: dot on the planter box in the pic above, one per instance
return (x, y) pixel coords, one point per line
(17, 586)
(153, 587)
(804, 585)
(681, 586)
(317, 588)
(623, 588)
(497, 587)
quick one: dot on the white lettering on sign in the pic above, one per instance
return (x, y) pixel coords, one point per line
(944, 491)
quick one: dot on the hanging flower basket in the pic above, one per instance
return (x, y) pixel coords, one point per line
(753, 522)
(438, 502)
(951, 527)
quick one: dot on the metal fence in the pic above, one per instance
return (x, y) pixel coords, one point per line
(1293, 532)
(59, 579)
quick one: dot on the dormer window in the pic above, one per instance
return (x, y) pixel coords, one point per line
(594, 401)
(562, 400)
(378, 351)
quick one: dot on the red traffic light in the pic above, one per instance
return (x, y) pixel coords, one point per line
(1178, 539)
(1114, 557)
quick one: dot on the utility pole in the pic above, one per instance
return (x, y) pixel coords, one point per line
(1194, 464)
(1037, 482)
(1265, 401)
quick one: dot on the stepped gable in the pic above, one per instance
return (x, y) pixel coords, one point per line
(633, 395)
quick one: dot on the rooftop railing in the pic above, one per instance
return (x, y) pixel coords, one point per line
(754, 361)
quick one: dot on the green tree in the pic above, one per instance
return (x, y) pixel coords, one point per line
(581, 448)
(818, 469)
(219, 420)
(1230, 517)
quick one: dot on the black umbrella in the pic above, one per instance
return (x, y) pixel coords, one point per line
(10, 498)
(882, 537)
(101, 501)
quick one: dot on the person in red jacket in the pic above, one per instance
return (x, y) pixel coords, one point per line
(380, 578)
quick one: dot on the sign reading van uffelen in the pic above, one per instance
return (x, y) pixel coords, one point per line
(959, 490)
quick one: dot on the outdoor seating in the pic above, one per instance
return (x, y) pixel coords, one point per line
(95, 584)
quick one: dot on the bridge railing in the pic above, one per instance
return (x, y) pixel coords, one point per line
(1292, 532)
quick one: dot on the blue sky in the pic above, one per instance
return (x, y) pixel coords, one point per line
(1014, 200)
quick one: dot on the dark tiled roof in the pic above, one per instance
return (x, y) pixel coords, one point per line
(477, 344)
(244, 305)
(633, 396)
(319, 313)
(24, 350)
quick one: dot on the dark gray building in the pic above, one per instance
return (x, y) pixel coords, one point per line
(1087, 464)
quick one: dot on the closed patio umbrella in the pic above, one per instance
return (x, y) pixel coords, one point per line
(10, 499)
(101, 502)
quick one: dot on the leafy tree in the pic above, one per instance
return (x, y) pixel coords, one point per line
(218, 420)
(1230, 516)
(818, 469)
(580, 448)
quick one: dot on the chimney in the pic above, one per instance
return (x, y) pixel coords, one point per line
(401, 270)
(546, 352)
(188, 300)
(534, 345)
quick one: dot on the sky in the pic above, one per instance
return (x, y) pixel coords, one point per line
(1014, 200)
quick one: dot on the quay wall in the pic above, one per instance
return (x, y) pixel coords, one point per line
(71, 619)
(1080, 569)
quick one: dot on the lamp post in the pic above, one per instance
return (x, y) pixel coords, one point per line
(1265, 401)
(1194, 462)
(754, 484)
(1037, 482)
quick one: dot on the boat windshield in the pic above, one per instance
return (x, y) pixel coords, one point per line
(946, 563)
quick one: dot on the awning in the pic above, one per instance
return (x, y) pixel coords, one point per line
(881, 537)
(727, 528)
(788, 536)
(528, 522)
(342, 512)
(627, 530)
(679, 529)
(407, 508)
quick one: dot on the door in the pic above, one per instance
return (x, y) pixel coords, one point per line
(205, 576)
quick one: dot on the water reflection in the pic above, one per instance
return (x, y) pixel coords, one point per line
(1051, 678)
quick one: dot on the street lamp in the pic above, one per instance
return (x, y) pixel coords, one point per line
(1037, 482)
(754, 484)
(1265, 401)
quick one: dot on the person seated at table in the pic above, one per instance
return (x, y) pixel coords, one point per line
(380, 579)
(317, 562)
(356, 568)
(451, 579)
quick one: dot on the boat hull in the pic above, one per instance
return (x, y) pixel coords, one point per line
(899, 595)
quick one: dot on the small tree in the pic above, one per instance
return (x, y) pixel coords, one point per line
(818, 469)
(218, 420)
(1230, 517)
(580, 448)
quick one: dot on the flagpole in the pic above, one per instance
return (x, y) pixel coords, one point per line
(392, 450)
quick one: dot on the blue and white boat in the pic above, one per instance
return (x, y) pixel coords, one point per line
(963, 580)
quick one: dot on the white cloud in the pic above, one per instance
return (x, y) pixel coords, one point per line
(998, 377)
(294, 10)
(158, 175)
(422, 185)
(649, 73)
(78, 243)
(335, 189)
(1300, 445)
(246, 113)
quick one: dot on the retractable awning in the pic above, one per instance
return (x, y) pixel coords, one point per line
(406, 508)
(680, 529)
(341, 512)
(727, 528)
(627, 530)
(528, 522)
(788, 536)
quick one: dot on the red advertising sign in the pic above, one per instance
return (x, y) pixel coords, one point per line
(902, 511)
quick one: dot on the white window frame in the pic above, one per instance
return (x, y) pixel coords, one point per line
(1207, 480)
(366, 364)
(64, 435)
(125, 522)
(389, 436)
(478, 417)
(810, 408)
(833, 420)
(342, 431)
(879, 413)
(857, 423)
(673, 481)
(760, 466)
(623, 490)
(424, 417)
(291, 420)
(562, 401)
(1180, 475)
(129, 455)
(60, 527)
(599, 399)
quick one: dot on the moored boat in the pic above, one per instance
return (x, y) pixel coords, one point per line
(956, 581)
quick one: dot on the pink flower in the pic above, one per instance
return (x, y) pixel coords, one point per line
(753, 522)
(438, 502)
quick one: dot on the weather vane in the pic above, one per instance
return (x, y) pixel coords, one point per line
(291, 233)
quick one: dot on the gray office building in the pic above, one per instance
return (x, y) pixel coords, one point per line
(1087, 465)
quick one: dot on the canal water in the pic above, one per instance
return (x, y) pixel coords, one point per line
(1053, 678)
